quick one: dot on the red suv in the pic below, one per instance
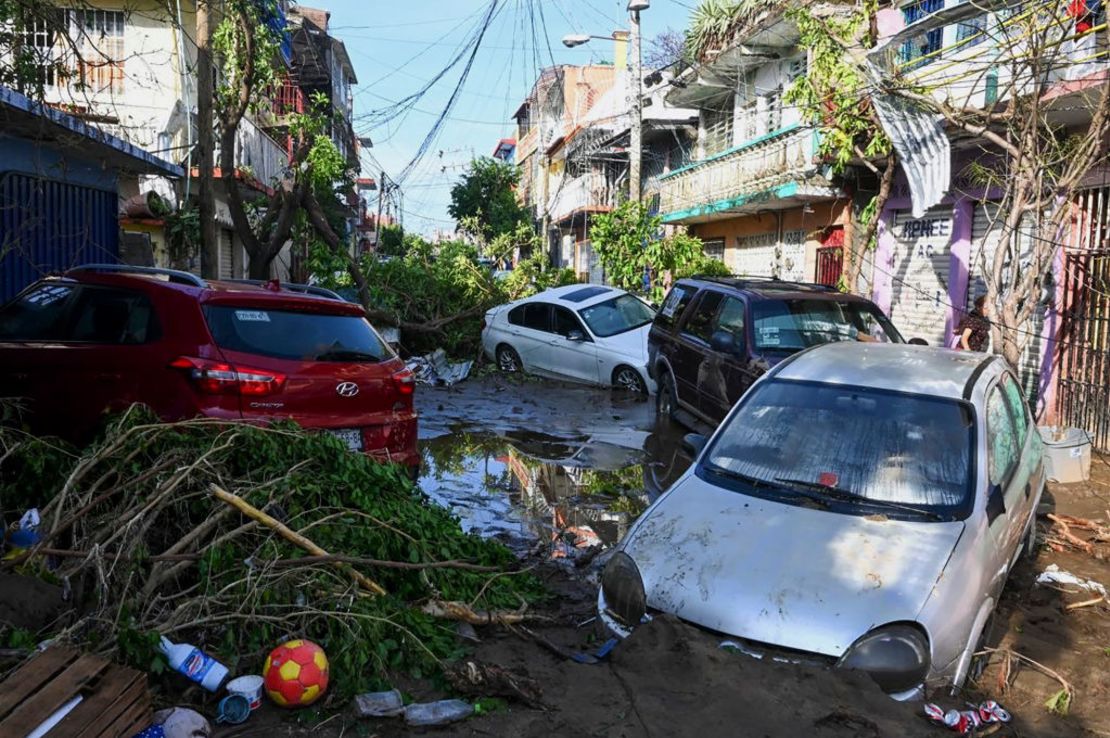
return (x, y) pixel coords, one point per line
(103, 337)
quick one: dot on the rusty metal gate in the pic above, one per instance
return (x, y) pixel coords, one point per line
(1083, 390)
(830, 264)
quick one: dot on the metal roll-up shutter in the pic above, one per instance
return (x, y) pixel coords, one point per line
(754, 256)
(793, 257)
(986, 232)
(920, 274)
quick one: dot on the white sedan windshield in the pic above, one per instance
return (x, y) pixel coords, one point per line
(907, 449)
(616, 316)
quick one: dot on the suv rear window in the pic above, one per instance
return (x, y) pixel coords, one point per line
(674, 304)
(286, 334)
(37, 314)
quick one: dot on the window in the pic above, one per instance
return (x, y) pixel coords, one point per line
(36, 315)
(1018, 409)
(889, 446)
(619, 315)
(98, 35)
(747, 120)
(585, 293)
(924, 44)
(700, 323)
(112, 316)
(534, 315)
(1001, 439)
(718, 129)
(40, 43)
(972, 31)
(731, 319)
(565, 322)
(674, 304)
(715, 248)
(772, 111)
(284, 334)
(792, 325)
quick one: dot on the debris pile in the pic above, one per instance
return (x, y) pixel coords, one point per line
(235, 537)
(1079, 534)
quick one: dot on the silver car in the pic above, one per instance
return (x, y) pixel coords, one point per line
(861, 506)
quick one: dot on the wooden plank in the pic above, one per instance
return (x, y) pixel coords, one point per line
(130, 705)
(31, 676)
(107, 700)
(43, 703)
(137, 718)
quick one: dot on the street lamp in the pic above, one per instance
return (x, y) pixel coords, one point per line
(636, 90)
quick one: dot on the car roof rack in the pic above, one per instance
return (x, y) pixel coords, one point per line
(765, 282)
(307, 289)
(173, 275)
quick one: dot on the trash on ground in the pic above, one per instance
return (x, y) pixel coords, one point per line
(379, 704)
(436, 369)
(62, 688)
(438, 713)
(969, 721)
(25, 533)
(181, 722)
(250, 687)
(233, 709)
(1054, 575)
(192, 663)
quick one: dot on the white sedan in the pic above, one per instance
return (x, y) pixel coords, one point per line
(582, 332)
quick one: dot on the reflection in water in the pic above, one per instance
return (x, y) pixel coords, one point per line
(575, 493)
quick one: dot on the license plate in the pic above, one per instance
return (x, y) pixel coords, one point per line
(350, 436)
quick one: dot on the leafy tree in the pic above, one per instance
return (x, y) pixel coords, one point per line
(833, 95)
(391, 242)
(629, 243)
(485, 202)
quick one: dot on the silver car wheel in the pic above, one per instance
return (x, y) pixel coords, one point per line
(627, 378)
(507, 359)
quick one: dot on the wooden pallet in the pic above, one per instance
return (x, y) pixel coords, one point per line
(115, 700)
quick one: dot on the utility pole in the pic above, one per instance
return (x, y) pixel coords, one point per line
(635, 148)
(206, 191)
(378, 222)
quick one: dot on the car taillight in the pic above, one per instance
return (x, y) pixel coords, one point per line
(216, 378)
(405, 381)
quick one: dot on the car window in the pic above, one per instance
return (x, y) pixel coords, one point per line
(908, 449)
(537, 316)
(700, 322)
(731, 319)
(792, 325)
(619, 315)
(1002, 444)
(565, 322)
(674, 304)
(38, 314)
(1018, 409)
(113, 316)
(286, 334)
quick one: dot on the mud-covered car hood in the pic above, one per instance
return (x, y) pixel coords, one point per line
(801, 578)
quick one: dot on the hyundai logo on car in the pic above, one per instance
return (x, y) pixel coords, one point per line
(346, 389)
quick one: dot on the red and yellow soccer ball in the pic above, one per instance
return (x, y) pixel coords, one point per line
(296, 673)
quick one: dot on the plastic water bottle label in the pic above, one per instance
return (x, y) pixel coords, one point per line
(197, 665)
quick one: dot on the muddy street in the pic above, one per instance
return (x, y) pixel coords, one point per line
(559, 473)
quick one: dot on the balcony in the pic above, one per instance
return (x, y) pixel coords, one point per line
(259, 157)
(588, 193)
(776, 167)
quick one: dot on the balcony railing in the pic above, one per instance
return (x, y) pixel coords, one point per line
(757, 166)
(573, 194)
(257, 154)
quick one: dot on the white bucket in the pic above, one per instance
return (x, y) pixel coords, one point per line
(249, 686)
(1067, 454)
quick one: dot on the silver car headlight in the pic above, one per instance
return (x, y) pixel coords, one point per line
(623, 588)
(896, 657)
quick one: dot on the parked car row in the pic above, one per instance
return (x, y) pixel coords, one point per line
(103, 337)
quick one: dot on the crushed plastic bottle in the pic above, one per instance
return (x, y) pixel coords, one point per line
(438, 713)
(379, 704)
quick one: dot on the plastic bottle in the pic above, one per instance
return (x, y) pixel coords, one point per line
(438, 713)
(195, 664)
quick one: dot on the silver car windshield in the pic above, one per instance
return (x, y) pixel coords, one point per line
(616, 316)
(791, 325)
(850, 442)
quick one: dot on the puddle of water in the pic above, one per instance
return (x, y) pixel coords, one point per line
(572, 491)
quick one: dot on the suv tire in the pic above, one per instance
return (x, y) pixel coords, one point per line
(666, 401)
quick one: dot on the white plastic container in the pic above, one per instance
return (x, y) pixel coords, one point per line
(1067, 454)
(249, 686)
(191, 662)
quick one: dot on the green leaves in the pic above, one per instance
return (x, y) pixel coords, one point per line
(485, 202)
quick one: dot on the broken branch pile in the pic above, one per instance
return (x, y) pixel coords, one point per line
(1080, 534)
(234, 537)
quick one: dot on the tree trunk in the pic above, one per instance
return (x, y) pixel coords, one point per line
(259, 269)
(855, 251)
(206, 191)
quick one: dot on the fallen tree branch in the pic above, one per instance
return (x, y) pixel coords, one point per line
(293, 537)
(1070, 537)
(1085, 603)
(1011, 654)
(462, 612)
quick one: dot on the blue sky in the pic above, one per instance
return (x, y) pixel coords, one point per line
(399, 45)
